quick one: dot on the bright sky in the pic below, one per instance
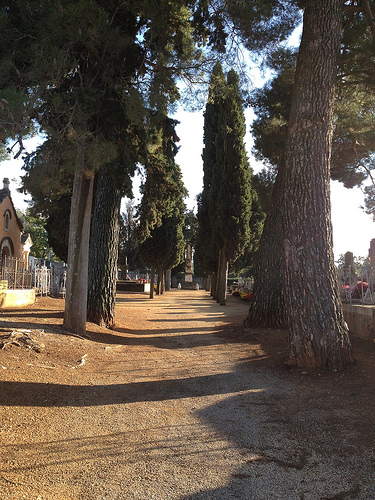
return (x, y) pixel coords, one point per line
(352, 228)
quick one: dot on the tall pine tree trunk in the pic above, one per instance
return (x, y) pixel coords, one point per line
(104, 251)
(267, 309)
(222, 276)
(78, 252)
(152, 283)
(318, 333)
(160, 282)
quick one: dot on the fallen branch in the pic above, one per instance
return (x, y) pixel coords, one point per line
(20, 338)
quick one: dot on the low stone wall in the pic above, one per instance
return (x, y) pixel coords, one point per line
(361, 320)
(16, 298)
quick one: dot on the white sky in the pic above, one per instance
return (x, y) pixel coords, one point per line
(352, 228)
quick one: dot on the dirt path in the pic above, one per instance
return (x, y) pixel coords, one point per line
(176, 404)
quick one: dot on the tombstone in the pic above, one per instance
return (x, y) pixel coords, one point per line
(348, 260)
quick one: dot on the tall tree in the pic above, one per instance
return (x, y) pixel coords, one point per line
(103, 251)
(231, 187)
(351, 161)
(272, 105)
(206, 254)
(162, 210)
(226, 198)
(318, 333)
(87, 57)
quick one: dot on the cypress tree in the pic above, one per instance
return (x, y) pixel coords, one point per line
(161, 213)
(206, 254)
(231, 184)
(226, 198)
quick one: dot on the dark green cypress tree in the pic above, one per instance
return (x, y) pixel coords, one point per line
(225, 204)
(231, 184)
(206, 255)
(161, 213)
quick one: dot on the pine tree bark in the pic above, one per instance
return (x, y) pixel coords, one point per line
(78, 253)
(267, 309)
(104, 251)
(318, 333)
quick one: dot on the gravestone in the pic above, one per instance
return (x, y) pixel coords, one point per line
(348, 260)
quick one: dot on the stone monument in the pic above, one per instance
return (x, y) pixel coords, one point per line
(349, 259)
(188, 279)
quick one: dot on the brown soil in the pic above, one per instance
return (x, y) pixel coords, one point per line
(177, 402)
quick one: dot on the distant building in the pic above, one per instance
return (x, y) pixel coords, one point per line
(13, 241)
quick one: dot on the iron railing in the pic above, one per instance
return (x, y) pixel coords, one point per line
(357, 285)
(49, 278)
(16, 272)
(46, 277)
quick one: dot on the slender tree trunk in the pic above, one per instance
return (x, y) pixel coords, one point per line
(318, 333)
(152, 283)
(267, 309)
(104, 251)
(158, 282)
(78, 252)
(207, 285)
(214, 285)
(222, 276)
(168, 280)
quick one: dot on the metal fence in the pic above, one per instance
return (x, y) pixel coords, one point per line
(16, 272)
(49, 278)
(357, 285)
(46, 277)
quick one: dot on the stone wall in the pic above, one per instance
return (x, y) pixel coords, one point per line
(16, 298)
(360, 320)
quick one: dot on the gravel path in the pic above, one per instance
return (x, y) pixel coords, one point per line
(166, 407)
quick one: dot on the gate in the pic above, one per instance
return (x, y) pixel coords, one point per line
(16, 272)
